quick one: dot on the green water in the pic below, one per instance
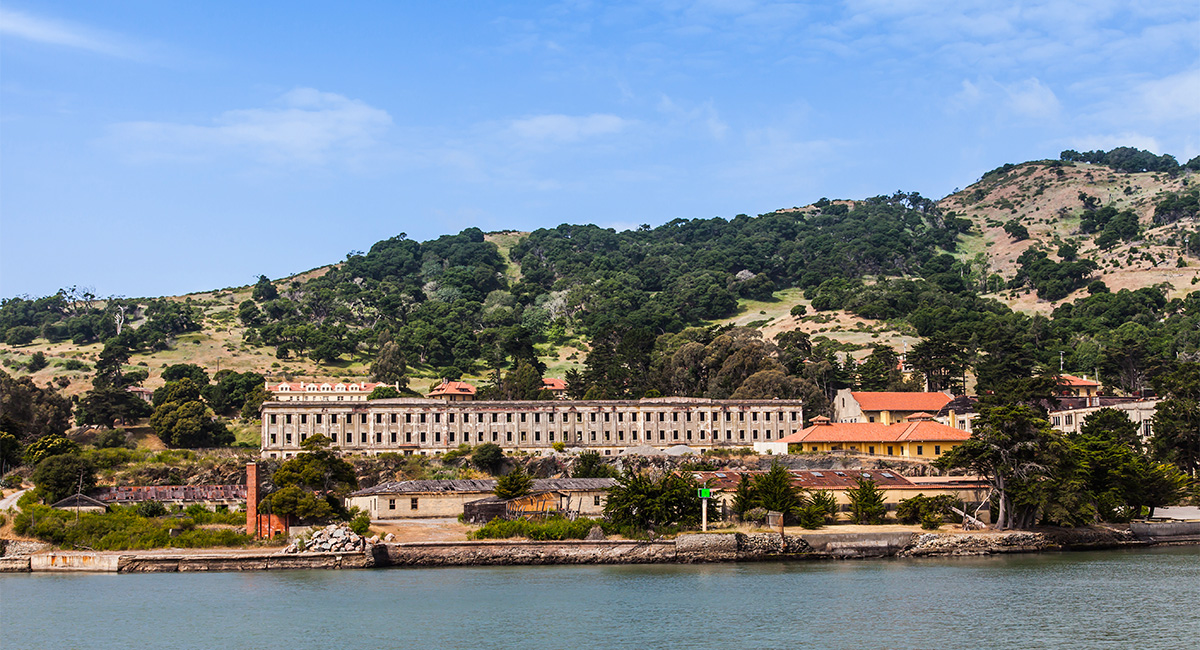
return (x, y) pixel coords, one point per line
(1145, 599)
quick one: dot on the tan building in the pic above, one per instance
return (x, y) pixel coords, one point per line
(884, 408)
(435, 426)
(1072, 386)
(413, 499)
(312, 391)
(917, 437)
(1069, 415)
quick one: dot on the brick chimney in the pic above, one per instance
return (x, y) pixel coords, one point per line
(252, 488)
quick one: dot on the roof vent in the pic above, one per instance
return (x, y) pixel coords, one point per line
(818, 475)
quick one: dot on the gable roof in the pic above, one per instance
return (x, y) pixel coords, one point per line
(79, 501)
(872, 401)
(551, 383)
(1080, 382)
(918, 431)
(452, 388)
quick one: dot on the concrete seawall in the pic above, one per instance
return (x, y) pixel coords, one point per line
(688, 548)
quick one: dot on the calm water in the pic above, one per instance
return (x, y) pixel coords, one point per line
(1113, 599)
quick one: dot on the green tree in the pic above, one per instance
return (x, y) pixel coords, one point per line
(293, 501)
(264, 290)
(29, 412)
(1176, 421)
(254, 401)
(47, 446)
(881, 370)
(773, 490)
(182, 420)
(36, 362)
(383, 392)
(198, 375)
(58, 477)
(106, 405)
(10, 452)
(866, 502)
(641, 502)
(590, 465)
(318, 470)
(516, 483)
(487, 457)
(1015, 449)
(390, 365)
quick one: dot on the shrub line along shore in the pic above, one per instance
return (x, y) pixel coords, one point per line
(687, 548)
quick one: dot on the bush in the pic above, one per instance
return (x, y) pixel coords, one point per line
(150, 509)
(118, 530)
(111, 438)
(487, 457)
(361, 523)
(554, 528)
(755, 515)
(925, 510)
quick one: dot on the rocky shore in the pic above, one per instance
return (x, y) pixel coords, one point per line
(336, 547)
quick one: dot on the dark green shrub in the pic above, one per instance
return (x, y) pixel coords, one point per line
(361, 523)
(554, 528)
(866, 502)
(487, 457)
(150, 509)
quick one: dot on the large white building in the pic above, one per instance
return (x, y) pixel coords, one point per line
(435, 426)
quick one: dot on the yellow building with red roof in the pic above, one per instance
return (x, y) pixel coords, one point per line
(916, 437)
(884, 407)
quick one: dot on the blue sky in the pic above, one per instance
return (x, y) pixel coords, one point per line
(152, 148)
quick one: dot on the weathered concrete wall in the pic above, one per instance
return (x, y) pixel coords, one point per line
(73, 562)
(244, 562)
(1164, 530)
(14, 564)
(529, 552)
(858, 545)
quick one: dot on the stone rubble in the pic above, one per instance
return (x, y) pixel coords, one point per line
(334, 538)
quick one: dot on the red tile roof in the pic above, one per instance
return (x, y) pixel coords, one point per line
(453, 388)
(932, 402)
(1072, 380)
(550, 383)
(920, 431)
(323, 387)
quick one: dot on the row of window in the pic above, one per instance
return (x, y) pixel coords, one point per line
(537, 417)
(423, 437)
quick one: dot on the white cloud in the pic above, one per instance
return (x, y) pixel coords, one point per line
(1032, 98)
(567, 128)
(306, 126)
(41, 30)
(1029, 98)
(1176, 97)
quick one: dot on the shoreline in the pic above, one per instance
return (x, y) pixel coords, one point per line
(685, 549)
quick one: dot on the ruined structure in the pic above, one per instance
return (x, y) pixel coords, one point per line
(434, 426)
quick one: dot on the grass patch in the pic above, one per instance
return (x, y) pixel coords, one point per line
(123, 529)
(555, 528)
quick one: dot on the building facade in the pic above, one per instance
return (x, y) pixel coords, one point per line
(917, 437)
(884, 408)
(311, 391)
(435, 426)
(1069, 415)
(417, 499)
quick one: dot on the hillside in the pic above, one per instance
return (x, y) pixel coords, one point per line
(867, 271)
